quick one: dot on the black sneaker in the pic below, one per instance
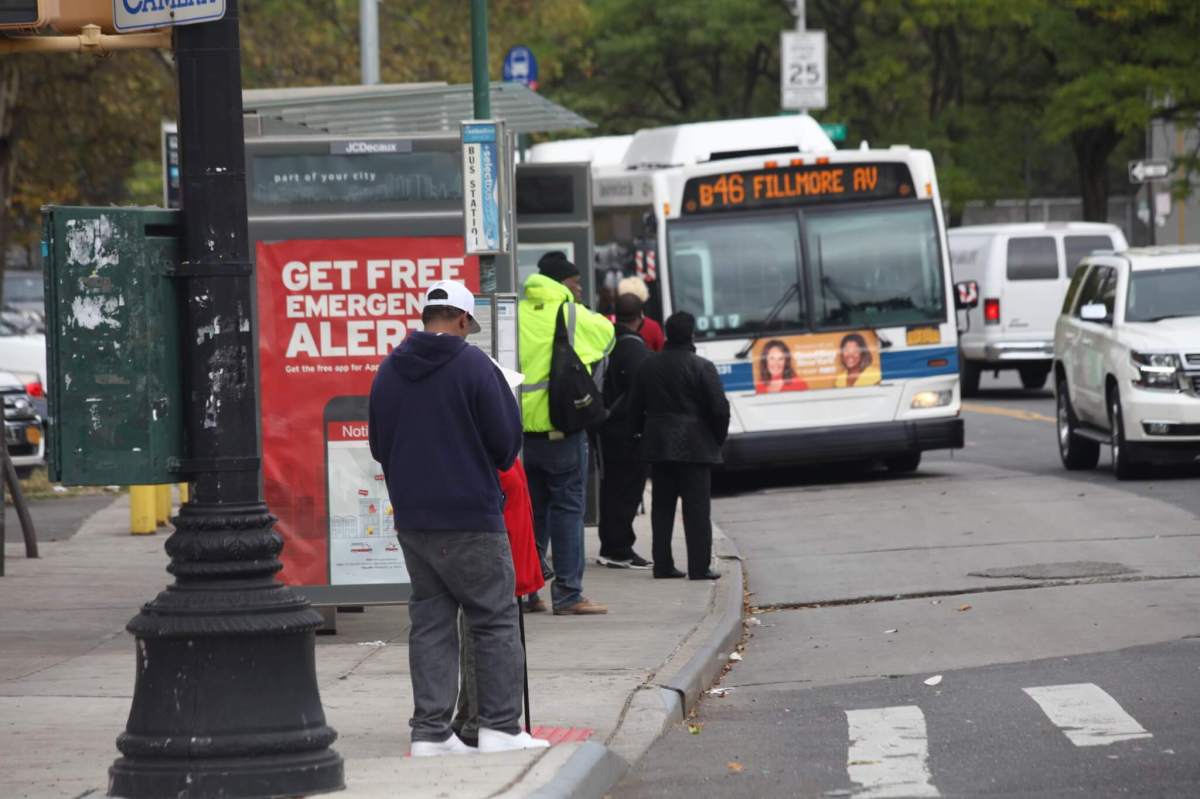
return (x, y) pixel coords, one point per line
(638, 562)
(614, 563)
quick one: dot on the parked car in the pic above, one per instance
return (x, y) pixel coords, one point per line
(1127, 360)
(24, 355)
(24, 300)
(1022, 271)
(24, 433)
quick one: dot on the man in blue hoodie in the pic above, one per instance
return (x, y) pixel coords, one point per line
(443, 421)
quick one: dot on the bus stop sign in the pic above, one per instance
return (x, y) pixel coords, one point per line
(520, 66)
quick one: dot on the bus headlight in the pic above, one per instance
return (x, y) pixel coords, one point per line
(931, 399)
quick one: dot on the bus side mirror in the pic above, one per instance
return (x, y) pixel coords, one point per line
(966, 295)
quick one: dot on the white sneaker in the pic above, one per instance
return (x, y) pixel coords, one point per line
(496, 741)
(451, 746)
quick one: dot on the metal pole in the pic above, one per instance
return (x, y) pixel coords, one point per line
(225, 701)
(368, 37)
(480, 84)
(799, 11)
(14, 485)
(481, 97)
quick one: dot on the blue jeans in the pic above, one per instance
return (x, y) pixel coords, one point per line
(557, 472)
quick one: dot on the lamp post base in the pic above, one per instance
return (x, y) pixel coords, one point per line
(226, 701)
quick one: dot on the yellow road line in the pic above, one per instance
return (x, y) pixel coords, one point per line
(1012, 413)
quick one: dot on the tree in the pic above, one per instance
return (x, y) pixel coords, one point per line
(1116, 65)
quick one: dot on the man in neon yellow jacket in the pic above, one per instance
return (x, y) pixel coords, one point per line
(557, 463)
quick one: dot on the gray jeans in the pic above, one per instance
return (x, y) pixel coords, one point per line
(472, 571)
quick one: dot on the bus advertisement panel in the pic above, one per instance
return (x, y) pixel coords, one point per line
(329, 311)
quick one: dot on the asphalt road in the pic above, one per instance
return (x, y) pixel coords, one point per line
(55, 519)
(1055, 613)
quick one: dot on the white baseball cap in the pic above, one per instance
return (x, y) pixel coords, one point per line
(452, 294)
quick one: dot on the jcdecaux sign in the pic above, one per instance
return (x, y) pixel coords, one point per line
(132, 15)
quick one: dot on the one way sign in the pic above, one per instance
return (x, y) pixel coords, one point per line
(1145, 171)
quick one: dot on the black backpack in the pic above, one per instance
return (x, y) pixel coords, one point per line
(575, 402)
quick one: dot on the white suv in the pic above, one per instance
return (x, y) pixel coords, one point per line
(1127, 360)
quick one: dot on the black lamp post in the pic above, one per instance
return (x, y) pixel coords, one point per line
(226, 700)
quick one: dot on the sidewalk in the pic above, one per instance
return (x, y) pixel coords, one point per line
(66, 673)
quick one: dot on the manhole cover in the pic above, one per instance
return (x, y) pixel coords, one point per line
(1072, 570)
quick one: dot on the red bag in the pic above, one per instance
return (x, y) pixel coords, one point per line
(518, 518)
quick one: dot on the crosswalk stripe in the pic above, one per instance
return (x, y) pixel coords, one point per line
(1086, 714)
(889, 752)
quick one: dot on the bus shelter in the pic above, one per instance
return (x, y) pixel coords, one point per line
(355, 206)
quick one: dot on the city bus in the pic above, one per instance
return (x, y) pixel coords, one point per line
(819, 279)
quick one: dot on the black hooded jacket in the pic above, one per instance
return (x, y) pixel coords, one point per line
(443, 422)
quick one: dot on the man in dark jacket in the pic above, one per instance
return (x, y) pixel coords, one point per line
(679, 407)
(623, 476)
(442, 422)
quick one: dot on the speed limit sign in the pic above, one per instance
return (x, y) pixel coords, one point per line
(803, 61)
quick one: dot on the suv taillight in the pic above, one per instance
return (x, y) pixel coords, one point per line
(35, 389)
(991, 311)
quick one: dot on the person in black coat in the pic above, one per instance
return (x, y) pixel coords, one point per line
(623, 476)
(679, 407)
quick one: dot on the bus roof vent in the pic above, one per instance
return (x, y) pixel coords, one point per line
(698, 142)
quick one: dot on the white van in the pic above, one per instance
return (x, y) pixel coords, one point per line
(1022, 271)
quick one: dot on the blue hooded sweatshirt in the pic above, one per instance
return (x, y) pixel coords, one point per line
(442, 422)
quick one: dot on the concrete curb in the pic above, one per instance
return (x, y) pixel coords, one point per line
(595, 768)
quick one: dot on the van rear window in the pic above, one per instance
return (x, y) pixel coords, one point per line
(1079, 247)
(1034, 258)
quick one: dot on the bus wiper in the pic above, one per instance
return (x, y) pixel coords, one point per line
(792, 290)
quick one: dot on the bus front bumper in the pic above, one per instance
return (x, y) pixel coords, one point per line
(842, 443)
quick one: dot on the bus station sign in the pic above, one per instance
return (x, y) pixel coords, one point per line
(135, 15)
(482, 175)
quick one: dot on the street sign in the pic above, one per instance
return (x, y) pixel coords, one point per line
(802, 81)
(1147, 170)
(836, 131)
(520, 66)
(482, 215)
(134, 15)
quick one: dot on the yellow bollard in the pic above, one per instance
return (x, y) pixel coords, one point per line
(142, 510)
(183, 493)
(162, 506)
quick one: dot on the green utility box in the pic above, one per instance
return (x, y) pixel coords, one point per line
(112, 345)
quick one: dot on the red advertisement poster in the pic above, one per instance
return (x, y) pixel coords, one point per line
(329, 311)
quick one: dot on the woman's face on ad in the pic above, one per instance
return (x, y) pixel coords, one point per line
(776, 360)
(852, 355)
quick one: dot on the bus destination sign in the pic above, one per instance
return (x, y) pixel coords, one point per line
(797, 185)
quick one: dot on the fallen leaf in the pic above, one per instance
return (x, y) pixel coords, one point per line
(963, 608)
(694, 729)
(934, 680)
(734, 766)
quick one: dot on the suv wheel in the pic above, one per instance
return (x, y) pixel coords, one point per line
(1123, 467)
(970, 378)
(1033, 377)
(1077, 453)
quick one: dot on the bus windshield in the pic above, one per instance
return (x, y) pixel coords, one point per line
(730, 272)
(867, 267)
(875, 267)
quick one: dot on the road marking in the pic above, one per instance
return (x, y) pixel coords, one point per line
(889, 752)
(1087, 714)
(1012, 413)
